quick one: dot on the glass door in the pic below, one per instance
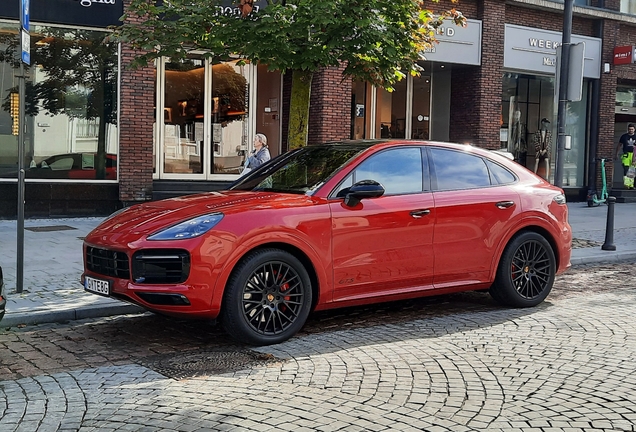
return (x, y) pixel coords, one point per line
(179, 128)
(229, 115)
(421, 107)
(203, 130)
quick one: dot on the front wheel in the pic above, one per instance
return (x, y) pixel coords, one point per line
(267, 298)
(526, 271)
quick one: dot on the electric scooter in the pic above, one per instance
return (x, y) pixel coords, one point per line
(598, 199)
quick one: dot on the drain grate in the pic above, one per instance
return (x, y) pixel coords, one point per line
(205, 362)
(50, 228)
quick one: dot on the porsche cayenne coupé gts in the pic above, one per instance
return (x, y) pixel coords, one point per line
(334, 225)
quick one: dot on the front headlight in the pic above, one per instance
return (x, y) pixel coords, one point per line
(188, 229)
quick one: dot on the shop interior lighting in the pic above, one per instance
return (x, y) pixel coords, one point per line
(15, 113)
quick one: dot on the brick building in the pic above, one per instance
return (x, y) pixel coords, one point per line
(94, 141)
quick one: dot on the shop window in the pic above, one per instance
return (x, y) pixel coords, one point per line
(71, 103)
(421, 103)
(183, 115)
(360, 110)
(626, 97)
(628, 6)
(391, 112)
(527, 99)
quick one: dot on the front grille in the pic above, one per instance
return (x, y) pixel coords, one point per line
(107, 262)
(161, 266)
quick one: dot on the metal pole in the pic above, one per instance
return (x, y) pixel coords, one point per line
(609, 226)
(21, 124)
(563, 90)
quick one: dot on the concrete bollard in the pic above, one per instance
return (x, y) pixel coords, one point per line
(609, 227)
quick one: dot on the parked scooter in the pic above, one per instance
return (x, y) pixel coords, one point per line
(598, 199)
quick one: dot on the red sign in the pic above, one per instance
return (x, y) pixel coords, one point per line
(623, 54)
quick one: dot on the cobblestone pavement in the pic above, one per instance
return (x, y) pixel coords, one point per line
(448, 363)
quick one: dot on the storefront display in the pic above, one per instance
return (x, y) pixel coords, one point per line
(71, 104)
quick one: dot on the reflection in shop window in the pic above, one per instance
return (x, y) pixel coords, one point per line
(229, 116)
(628, 6)
(71, 103)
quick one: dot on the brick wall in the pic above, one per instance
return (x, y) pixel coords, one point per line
(611, 4)
(136, 123)
(330, 106)
(476, 91)
(546, 20)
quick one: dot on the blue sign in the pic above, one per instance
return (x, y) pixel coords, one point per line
(25, 14)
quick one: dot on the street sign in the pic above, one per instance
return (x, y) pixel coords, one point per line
(25, 37)
(26, 47)
(25, 14)
(575, 72)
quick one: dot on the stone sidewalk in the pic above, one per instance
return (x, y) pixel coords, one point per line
(53, 262)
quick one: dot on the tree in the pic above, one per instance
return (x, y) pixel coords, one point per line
(379, 41)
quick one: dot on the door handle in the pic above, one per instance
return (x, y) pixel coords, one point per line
(419, 213)
(505, 204)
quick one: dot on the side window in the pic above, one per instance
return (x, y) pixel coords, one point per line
(398, 170)
(458, 170)
(88, 161)
(499, 174)
(65, 163)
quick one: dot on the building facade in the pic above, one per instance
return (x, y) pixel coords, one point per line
(100, 135)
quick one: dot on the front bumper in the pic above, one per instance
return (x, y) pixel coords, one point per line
(160, 280)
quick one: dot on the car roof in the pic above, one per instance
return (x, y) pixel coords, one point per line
(405, 142)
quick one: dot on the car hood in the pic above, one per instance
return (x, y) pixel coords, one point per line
(147, 218)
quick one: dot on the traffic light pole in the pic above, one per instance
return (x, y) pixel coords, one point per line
(563, 91)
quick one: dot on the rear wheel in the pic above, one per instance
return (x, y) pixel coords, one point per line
(267, 298)
(526, 271)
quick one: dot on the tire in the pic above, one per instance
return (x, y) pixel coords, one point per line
(267, 298)
(526, 271)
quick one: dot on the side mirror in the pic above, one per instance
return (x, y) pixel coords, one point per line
(361, 190)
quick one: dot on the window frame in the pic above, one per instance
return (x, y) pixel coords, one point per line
(485, 160)
(426, 174)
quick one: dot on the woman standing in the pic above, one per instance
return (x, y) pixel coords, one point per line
(260, 154)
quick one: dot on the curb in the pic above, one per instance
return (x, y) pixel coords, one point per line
(601, 256)
(53, 316)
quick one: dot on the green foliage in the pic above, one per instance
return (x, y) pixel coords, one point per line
(380, 41)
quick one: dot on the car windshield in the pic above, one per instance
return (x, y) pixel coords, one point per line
(299, 171)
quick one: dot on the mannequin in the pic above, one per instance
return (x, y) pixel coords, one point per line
(518, 144)
(542, 146)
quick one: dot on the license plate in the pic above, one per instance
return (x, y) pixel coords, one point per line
(97, 286)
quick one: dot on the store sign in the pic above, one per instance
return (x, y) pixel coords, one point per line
(623, 55)
(461, 45)
(534, 50)
(90, 13)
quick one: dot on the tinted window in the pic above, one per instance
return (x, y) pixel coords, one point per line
(499, 174)
(458, 170)
(398, 170)
(63, 163)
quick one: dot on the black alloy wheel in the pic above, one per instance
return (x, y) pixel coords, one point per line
(526, 271)
(267, 299)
